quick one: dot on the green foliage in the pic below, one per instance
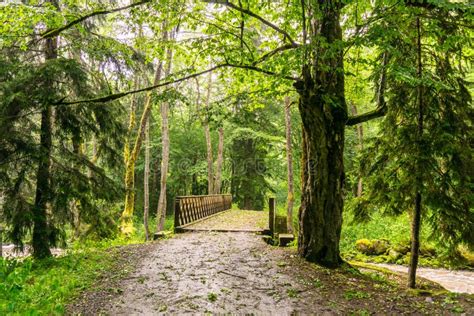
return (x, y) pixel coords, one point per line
(44, 287)
(397, 160)
(350, 295)
(27, 89)
(394, 229)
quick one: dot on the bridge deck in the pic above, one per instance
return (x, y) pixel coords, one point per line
(232, 220)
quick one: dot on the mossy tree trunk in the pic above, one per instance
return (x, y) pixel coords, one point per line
(165, 142)
(126, 220)
(146, 180)
(289, 161)
(207, 132)
(220, 161)
(323, 112)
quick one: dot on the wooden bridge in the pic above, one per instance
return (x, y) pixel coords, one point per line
(215, 213)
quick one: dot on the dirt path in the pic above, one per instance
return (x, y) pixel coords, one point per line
(455, 281)
(238, 273)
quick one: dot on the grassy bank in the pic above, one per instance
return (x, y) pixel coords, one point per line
(44, 286)
(35, 287)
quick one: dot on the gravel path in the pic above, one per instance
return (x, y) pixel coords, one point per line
(209, 272)
(238, 273)
(455, 281)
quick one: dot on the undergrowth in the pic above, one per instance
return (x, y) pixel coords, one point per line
(30, 286)
(45, 287)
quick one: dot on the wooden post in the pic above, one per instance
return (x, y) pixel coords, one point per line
(271, 214)
(176, 213)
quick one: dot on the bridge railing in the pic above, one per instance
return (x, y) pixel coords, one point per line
(188, 209)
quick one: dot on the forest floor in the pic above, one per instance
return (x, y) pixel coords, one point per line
(238, 273)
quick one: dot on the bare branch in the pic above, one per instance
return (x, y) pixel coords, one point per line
(273, 52)
(115, 96)
(381, 108)
(57, 31)
(267, 72)
(254, 15)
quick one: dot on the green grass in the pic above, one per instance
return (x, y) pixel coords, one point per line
(44, 287)
(394, 229)
(140, 228)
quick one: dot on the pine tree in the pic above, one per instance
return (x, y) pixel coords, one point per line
(421, 160)
(28, 89)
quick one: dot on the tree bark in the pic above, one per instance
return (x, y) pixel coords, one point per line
(360, 140)
(220, 160)
(416, 218)
(165, 142)
(207, 132)
(126, 225)
(146, 179)
(323, 112)
(289, 161)
(41, 230)
(40, 240)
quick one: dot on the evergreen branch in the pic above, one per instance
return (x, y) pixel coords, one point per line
(57, 31)
(256, 16)
(381, 109)
(115, 96)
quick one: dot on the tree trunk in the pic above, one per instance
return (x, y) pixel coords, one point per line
(360, 140)
(165, 142)
(40, 237)
(131, 125)
(126, 225)
(40, 240)
(220, 160)
(289, 161)
(416, 218)
(146, 179)
(207, 132)
(323, 112)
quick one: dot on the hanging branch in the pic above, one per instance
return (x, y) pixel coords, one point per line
(272, 53)
(381, 108)
(115, 96)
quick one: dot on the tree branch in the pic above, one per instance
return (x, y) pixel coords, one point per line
(115, 96)
(254, 15)
(272, 53)
(381, 108)
(57, 31)
(267, 72)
